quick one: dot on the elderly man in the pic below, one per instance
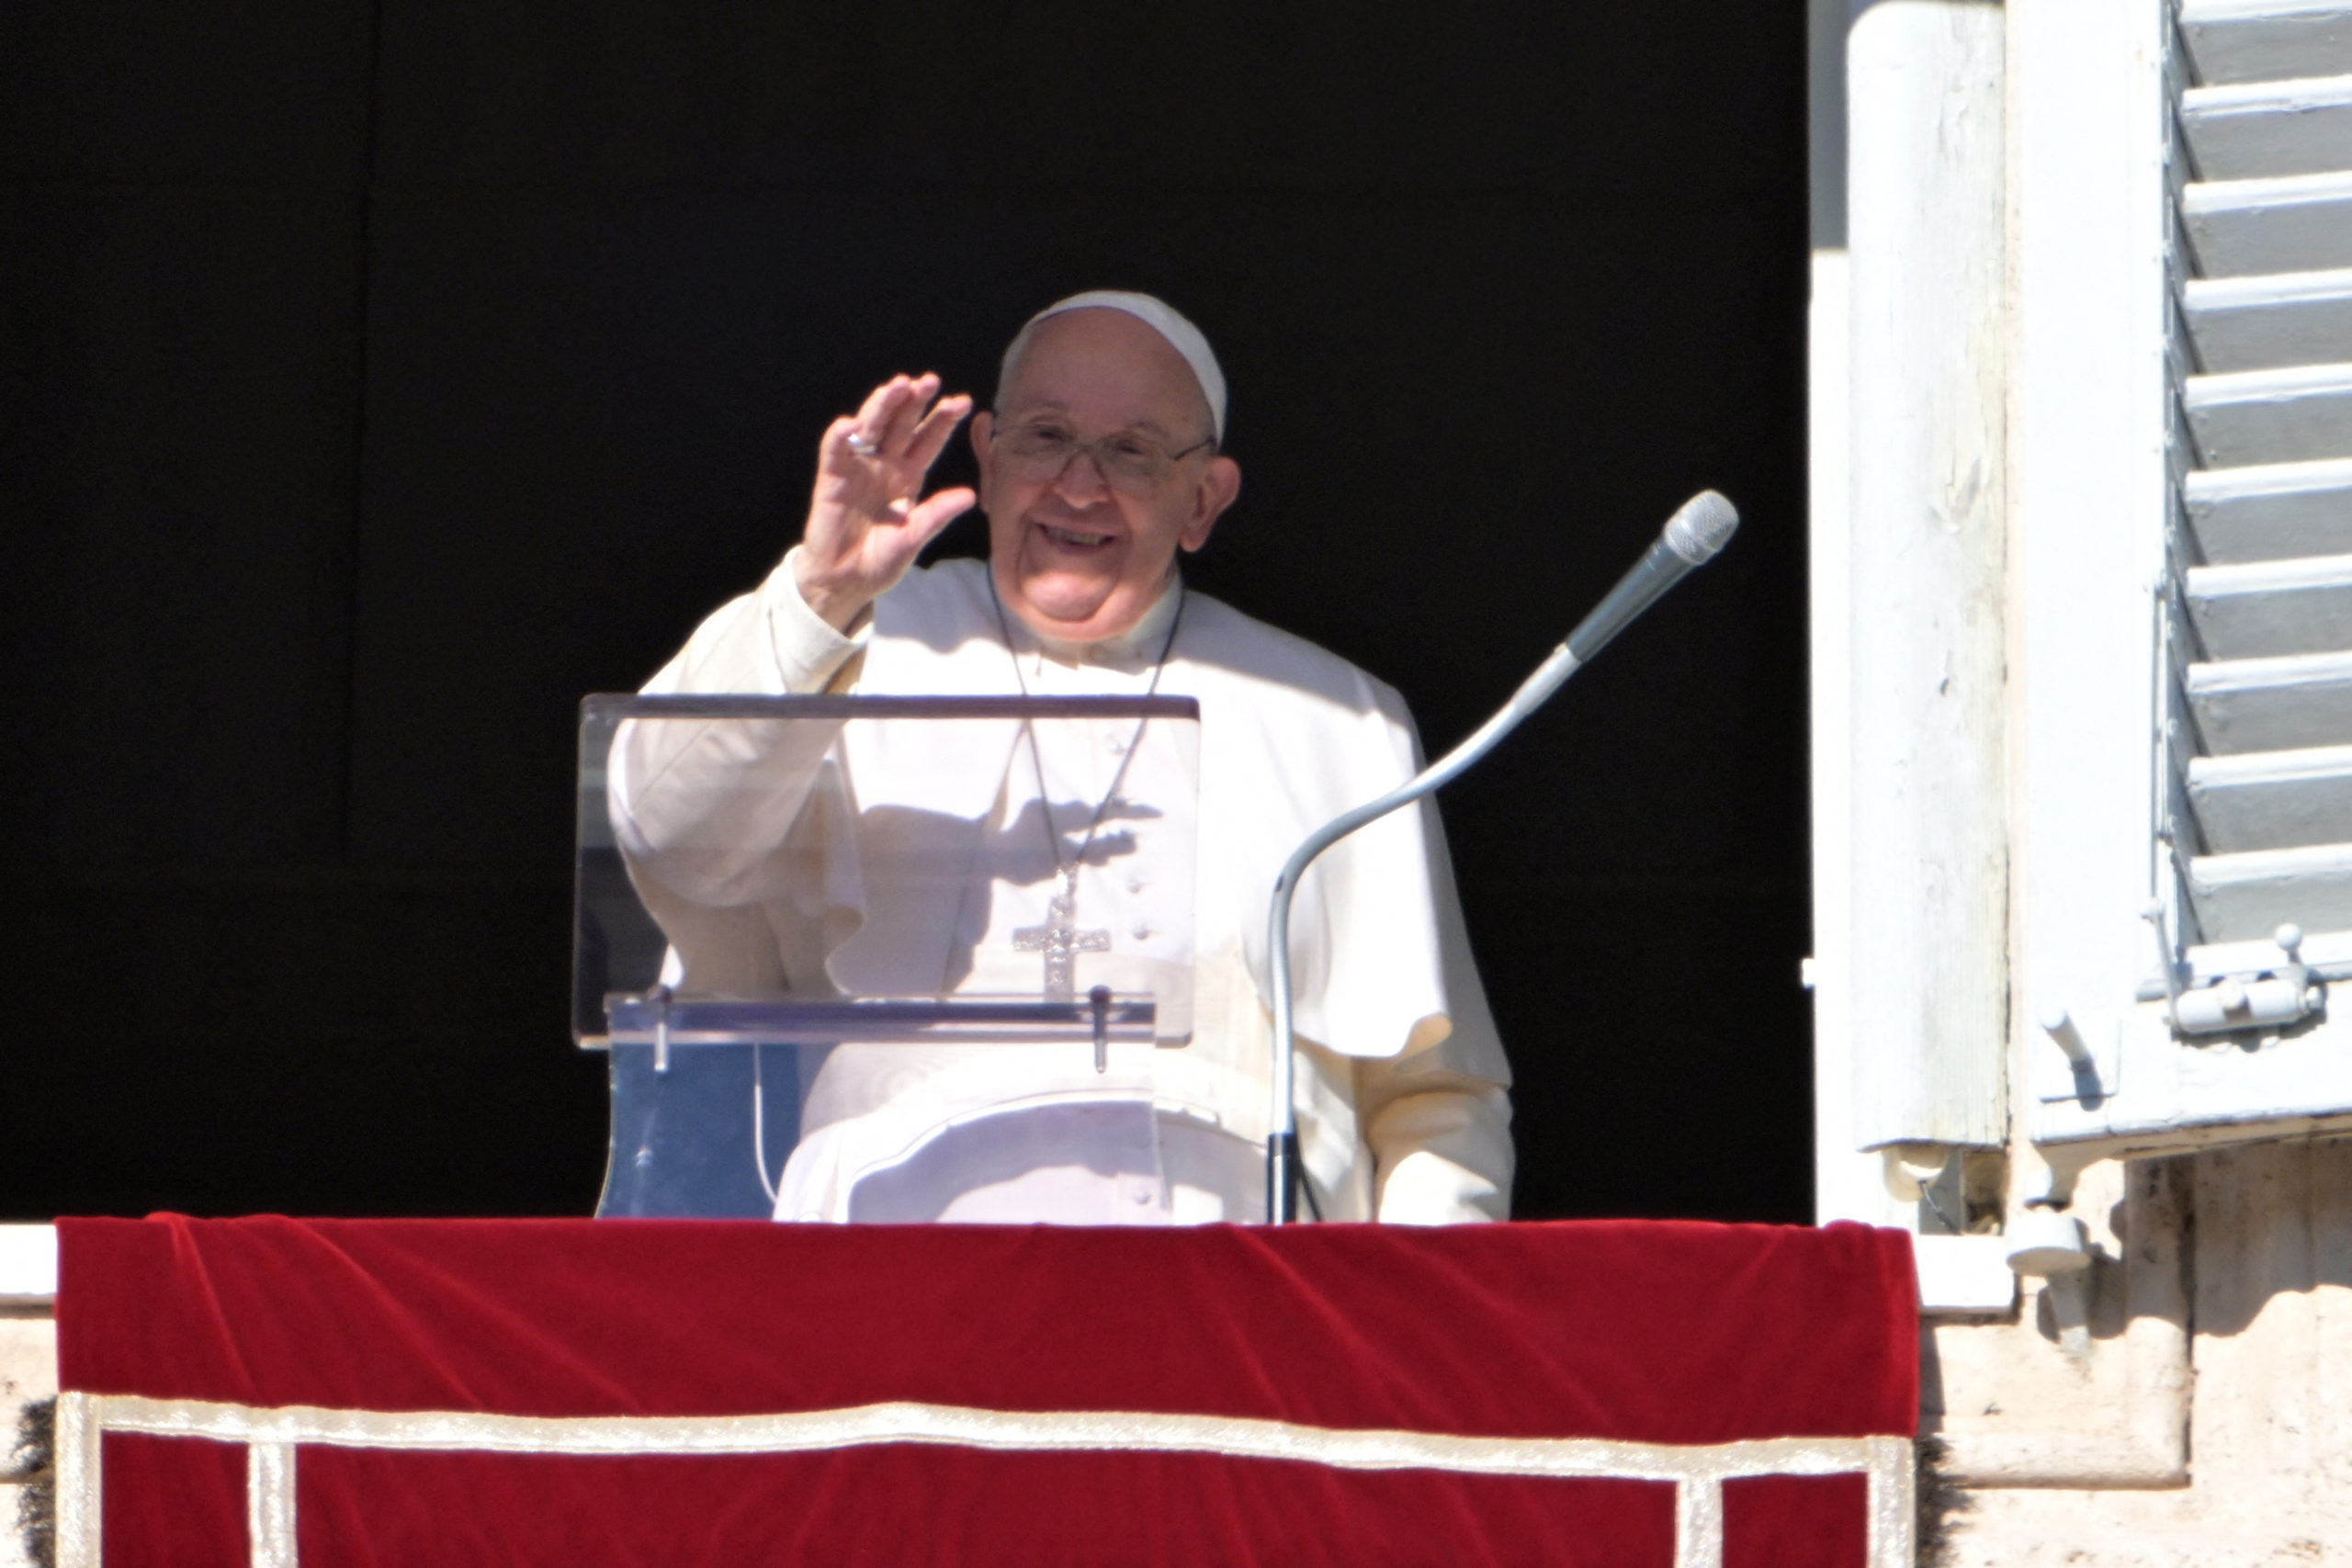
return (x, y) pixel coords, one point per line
(1100, 462)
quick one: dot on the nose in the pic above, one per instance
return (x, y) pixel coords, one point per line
(1082, 482)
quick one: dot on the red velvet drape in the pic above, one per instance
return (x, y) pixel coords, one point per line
(1669, 1333)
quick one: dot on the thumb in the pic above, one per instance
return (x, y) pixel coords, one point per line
(925, 521)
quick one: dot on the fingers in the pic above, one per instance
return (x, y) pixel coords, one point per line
(879, 427)
(873, 420)
(891, 425)
(930, 437)
(906, 413)
(860, 436)
(834, 449)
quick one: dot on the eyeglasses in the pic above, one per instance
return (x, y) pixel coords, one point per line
(1129, 463)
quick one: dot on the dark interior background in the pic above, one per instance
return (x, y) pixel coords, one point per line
(376, 379)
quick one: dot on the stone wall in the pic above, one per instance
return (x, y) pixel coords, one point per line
(2193, 1404)
(27, 1372)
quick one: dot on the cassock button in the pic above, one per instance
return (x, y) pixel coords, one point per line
(1142, 932)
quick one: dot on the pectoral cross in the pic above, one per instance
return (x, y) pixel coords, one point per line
(1061, 941)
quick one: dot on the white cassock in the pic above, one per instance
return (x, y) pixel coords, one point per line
(1402, 1110)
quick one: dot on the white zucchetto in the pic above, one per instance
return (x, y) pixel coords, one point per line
(1155, 313)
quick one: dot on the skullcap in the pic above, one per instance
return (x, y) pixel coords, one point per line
(1161, 317)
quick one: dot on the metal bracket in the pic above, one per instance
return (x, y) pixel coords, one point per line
(2093, 1067)
(2273, 996)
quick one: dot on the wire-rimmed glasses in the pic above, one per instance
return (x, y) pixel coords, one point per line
(1127, 460)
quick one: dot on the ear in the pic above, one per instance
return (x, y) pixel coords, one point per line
(1220, 483)
(983, 449)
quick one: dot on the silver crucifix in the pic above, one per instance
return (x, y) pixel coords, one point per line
(1061, 941)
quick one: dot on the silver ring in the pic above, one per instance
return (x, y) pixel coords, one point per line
(862, 447)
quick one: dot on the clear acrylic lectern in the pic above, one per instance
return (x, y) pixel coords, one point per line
(814, 928)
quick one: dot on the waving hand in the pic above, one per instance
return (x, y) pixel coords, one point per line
(865, 523)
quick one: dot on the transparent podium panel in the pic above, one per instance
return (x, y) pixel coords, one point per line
(812, 930)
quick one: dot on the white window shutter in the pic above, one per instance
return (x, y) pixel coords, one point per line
(1924, 956)
(2246, 665)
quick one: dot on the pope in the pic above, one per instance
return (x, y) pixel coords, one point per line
(1101, 462)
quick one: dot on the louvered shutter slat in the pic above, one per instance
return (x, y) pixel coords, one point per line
(2272, 704)
(2272, 511)
(2273, 800)
(2243, 897)
(2263, 609)
(2270, 321)
(2300, 223)
(2257, 130)
(2234, 41)
(2290, 416)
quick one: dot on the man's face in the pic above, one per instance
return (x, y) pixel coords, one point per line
(1079, 553)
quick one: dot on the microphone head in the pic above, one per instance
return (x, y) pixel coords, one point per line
(1704, 526)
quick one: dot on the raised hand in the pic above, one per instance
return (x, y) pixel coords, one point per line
(865, 525)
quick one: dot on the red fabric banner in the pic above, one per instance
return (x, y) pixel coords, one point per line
(1677, 1333)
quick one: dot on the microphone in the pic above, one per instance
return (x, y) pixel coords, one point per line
(1702, 526)
(1691, 537)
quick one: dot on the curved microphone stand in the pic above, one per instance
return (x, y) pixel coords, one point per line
(1691, 537)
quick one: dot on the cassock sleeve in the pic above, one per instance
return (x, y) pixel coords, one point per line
(768, 641)
(1438, 1121)
(704, 811)
(697, 806)
(1380, 960)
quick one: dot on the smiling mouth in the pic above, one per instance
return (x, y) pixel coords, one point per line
(1074, 540)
